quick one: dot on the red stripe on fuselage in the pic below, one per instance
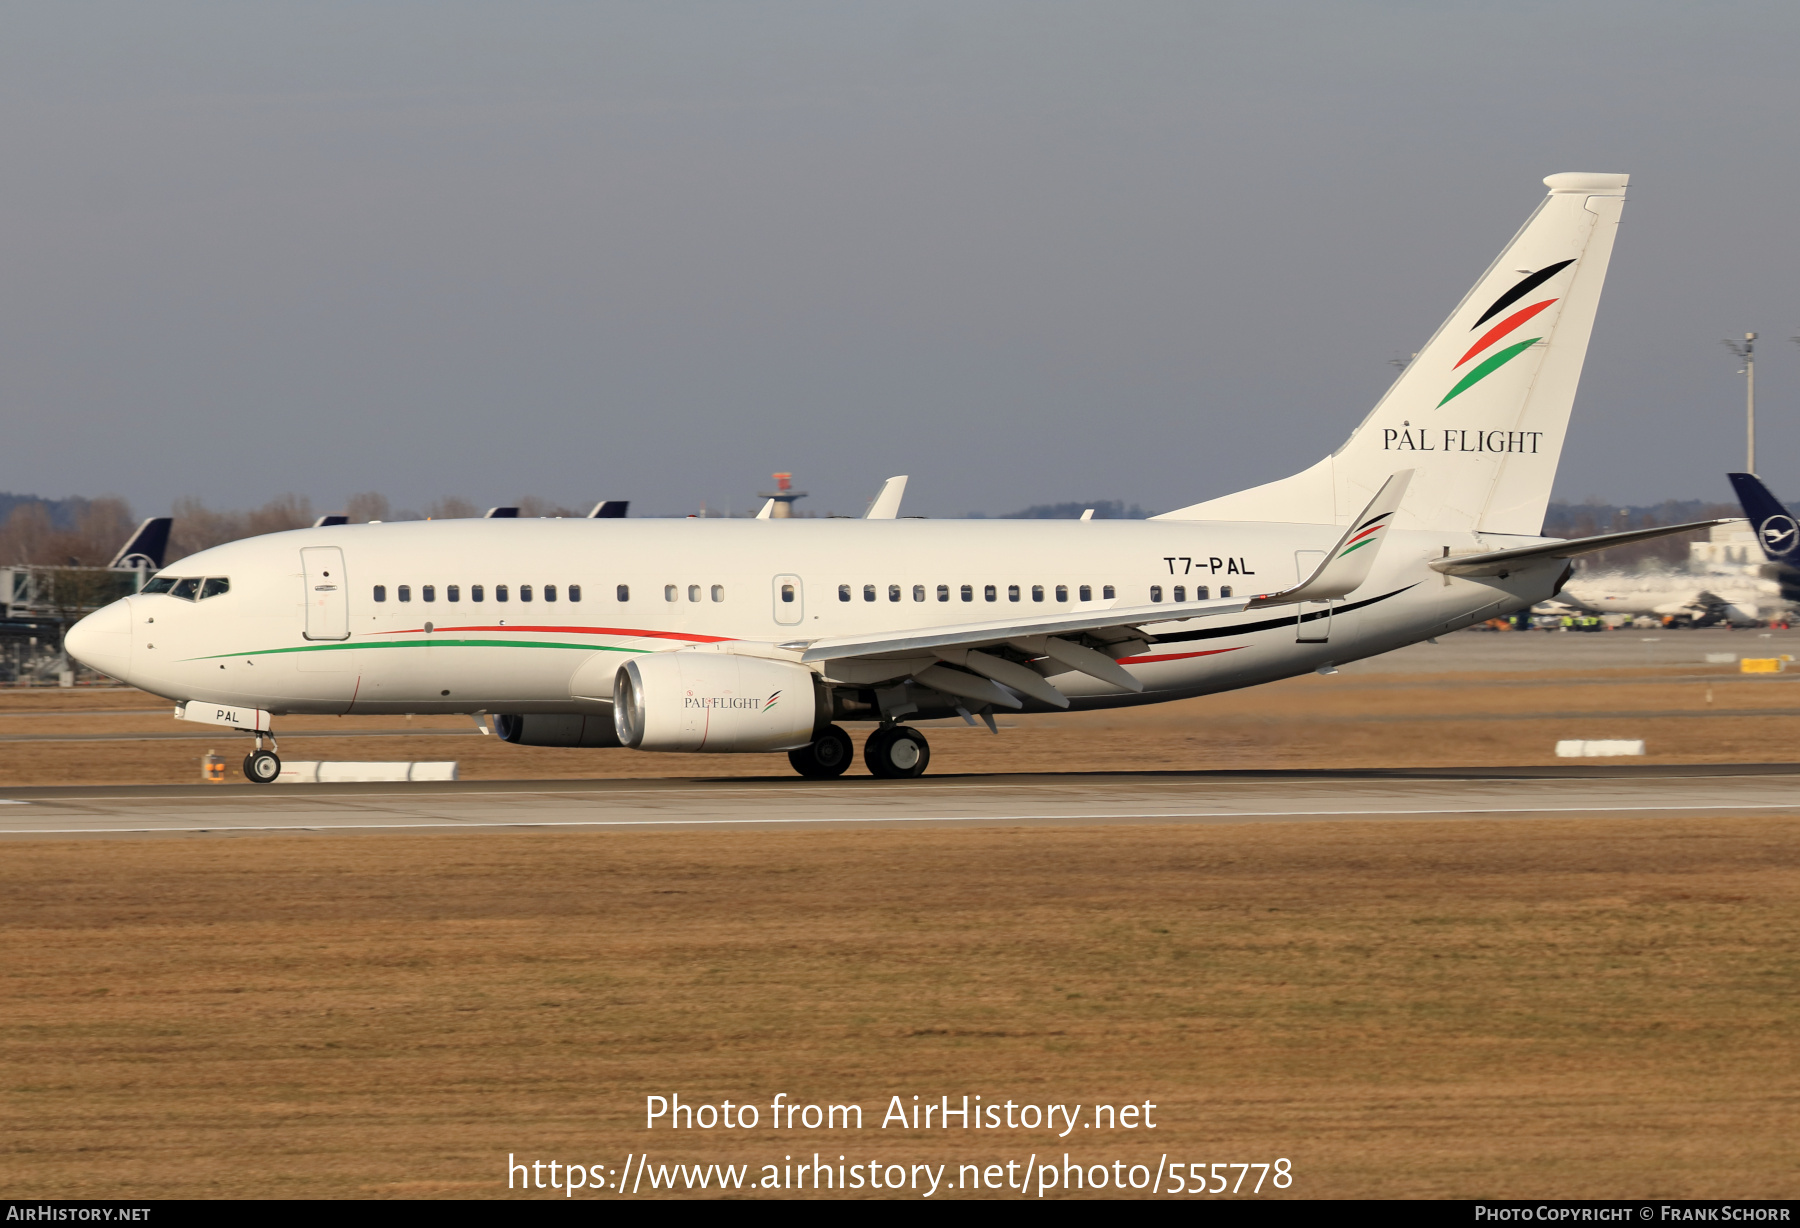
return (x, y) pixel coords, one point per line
(1175, 656)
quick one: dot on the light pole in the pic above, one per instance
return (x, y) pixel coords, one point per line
(1746, 351)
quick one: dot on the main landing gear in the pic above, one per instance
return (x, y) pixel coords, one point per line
(892, 752)
(827, 757)
(896, 752)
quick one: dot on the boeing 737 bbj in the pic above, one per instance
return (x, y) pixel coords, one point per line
(759, 635)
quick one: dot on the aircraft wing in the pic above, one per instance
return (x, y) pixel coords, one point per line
(1500, 562)
(952, 659)
(1124, 619)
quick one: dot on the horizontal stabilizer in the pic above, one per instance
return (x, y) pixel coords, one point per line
(610, 509)
(1500, 562)
(502, 513)
(1351, 560)
(329, 519)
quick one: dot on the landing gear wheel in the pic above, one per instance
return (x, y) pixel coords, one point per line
(261, 767)
(825, 758)
(895, 752)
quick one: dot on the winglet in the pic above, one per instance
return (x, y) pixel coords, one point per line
(1776, 530)
(886, 505)
(1351, 560)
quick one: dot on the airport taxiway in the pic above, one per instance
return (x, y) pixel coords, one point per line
(1624, 791)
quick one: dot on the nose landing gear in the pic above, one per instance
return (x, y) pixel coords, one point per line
(895, 752)
(261, 766)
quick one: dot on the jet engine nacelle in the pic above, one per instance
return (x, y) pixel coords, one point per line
(713, 702)
(556, 729)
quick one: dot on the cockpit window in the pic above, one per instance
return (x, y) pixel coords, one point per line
(214, 586)
(161, 584)
(185, 589)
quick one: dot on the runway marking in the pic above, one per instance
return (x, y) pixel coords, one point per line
(576, 791)
(950, 818)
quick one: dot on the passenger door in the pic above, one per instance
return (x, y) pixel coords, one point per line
(790, 600)
(1313, 624)
(327, 593)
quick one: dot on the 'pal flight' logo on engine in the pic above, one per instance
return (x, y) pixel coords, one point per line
(740, 702)
(1505, 328)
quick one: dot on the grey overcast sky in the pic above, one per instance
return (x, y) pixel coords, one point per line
(1024, 252)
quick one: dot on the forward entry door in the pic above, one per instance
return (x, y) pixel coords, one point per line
(327, 594)
(1313, 625)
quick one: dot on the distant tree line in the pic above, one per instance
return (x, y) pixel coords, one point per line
(88, 532)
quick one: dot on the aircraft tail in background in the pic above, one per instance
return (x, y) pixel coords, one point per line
(145, 548)
(1776, 530)
(1481, 411)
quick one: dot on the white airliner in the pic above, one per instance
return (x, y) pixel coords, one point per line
(757, 635)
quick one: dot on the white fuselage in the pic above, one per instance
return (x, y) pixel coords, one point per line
(662, 585)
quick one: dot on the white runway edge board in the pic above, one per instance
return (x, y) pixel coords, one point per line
(320, 772)
(1575, 748)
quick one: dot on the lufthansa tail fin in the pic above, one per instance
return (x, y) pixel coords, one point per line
(145, 548)
(1481, 411)
(1777, 532)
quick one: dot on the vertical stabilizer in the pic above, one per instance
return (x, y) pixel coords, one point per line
(1481, 412)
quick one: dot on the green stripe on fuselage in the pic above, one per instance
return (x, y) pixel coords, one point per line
(434, 642)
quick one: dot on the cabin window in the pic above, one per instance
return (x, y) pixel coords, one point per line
(1062, 592)
(718, 592)
(452, 592)
(549, 592)
(843, 592)
(214, 586)
(1087, 592)
(185, 589)
(1037, 592)
(893, 592)
(693, 592)
(1012, 592)
(499, 592)
(476, 592)
(1181, 592)
(381, 592)
(868, 592)
(1156, 592)
(1225, 590)
(990, 592)
(574, 592)
(1106, 592)
(671, 593)
(787, 594)
(968, 592)
(1201, 592)
(428, 592)
(406, 592)
(918, 592)
(624, 592)
(524, 592)
(943, 592)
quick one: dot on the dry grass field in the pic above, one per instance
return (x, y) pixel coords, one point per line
(1688, 713)
(1600, 1008)
(1503, 1009)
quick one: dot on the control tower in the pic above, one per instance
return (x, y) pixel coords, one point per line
(781, 499)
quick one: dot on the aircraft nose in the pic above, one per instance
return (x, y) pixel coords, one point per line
(102, 640)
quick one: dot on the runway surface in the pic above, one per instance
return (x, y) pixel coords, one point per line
(1075, 799)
